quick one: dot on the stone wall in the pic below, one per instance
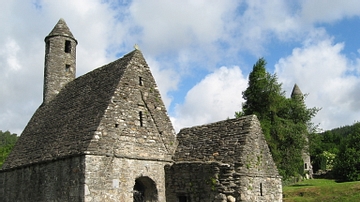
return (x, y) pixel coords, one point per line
(61, 180)
(102, 179)
(113, 179)
(196, 181)
(216, 182)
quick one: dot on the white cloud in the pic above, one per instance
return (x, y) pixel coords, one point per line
(320, 69)
(327, 11)
(166, 79)
(174, 25)
(23, 30)
(215, 98)
(178, 38)
(9, 55)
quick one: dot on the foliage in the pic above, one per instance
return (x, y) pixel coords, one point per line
(284, 120)
(329, 159)
(328, 142)
(7, 142)
(322, 190)
(347, 163)
(331, 141)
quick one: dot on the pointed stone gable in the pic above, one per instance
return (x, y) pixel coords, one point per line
(135, 123)
(99, 113)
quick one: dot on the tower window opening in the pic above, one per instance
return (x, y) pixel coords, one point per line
(67, 68)
(261, 189)
(141, 82)
(67, 46)
(141, 118)
(183, 199)
(305, 165)
(47, 49)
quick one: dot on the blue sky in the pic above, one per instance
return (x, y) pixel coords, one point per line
(200, 52)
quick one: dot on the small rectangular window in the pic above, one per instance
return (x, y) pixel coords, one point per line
(67, 46)
(261, 189)
(141, 118)
(67, 68)
(141, 82)
(47, 47)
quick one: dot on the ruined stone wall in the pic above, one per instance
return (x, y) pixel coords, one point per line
(113, 179)
(61, 180)
(216, 182)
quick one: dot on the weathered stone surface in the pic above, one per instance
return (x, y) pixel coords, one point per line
(228, 158)
(113, 179)
(106, 136)
(98, 113)
(297, 94)
(60, 60)
(61, 180)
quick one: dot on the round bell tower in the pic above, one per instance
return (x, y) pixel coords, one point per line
(60, 60)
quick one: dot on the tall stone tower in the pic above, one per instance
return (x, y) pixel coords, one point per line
(60, 60)
(297, 94)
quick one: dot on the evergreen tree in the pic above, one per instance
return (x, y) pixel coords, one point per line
(284, 120)
(347, 162)
(262, 91)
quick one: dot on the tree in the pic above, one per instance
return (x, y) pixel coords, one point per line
(7, 142)
(283, 120)
(262, 92)
(347, 162)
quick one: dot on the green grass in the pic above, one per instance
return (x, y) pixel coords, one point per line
(322, 190)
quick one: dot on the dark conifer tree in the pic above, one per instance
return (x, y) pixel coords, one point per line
(284, 120)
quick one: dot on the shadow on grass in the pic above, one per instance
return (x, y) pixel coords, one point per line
(301, 185)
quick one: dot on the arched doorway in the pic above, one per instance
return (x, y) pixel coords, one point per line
(145, 190)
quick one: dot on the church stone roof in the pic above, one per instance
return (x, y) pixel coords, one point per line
(237, 141)
(61, 29)
(75, 122)
(221, 141)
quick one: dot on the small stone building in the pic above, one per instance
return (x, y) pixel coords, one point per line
(106, 136)
(224, 161)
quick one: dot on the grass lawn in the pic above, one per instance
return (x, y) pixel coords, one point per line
(322, 190)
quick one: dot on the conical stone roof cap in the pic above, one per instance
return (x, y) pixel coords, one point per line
(61, 29)
(296, 91)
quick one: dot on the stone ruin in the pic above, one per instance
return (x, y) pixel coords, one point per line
(106, 136)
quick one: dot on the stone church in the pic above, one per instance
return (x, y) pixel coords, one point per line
(106, 136)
